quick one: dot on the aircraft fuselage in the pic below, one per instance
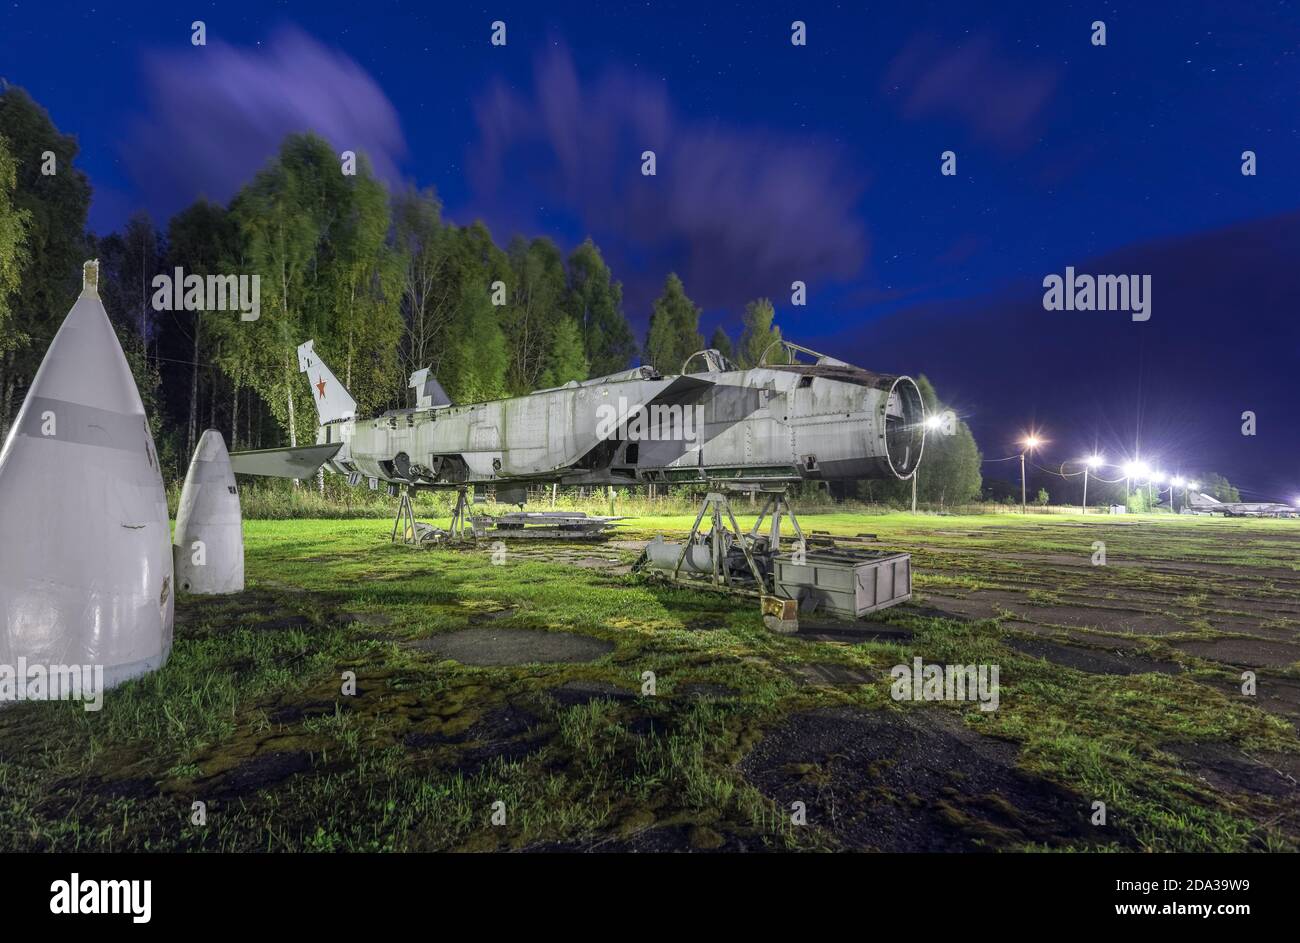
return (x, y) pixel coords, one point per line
(768, 424)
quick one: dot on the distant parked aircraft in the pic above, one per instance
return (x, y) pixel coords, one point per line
(1200, 503)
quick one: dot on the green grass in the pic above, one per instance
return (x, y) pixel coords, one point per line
(256, 679)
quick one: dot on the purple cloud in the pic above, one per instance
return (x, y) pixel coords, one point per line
(218, 113)
(736, 212)
(998, 100)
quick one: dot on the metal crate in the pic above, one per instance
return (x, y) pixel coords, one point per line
(849, 583)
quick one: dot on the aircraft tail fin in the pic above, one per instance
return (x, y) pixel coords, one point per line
(333, 402)
(429, 393)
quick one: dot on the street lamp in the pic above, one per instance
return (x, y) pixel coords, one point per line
(1031, 442)
(1176, 482)
(1091, 462)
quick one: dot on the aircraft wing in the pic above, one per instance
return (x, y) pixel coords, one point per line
(300, 462)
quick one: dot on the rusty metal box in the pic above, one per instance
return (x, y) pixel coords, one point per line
(848, 583)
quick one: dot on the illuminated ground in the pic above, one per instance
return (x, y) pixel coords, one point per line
(1119, 683)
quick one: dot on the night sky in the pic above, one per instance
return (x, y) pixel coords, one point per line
(776, 163)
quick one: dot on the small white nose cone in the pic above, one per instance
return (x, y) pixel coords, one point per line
(85, 549)
(209, 541)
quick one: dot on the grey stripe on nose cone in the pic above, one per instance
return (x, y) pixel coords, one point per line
(85, 557)
(209, 541)
(63, 421)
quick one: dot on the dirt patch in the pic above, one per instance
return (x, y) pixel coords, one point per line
(484, 646)
(636, 546)
(657, 839)
(296, 713)
(228, 612)
(474, 760)
(263, 770)
(1227, 768)
(596, 563)
(705, 625)
(1250, 653)
(910, 781)
(492, 615)
(992, 604)
(977, 605)
(705, 691)
(507, 733)
(851, 633)
(502, 724)
(582, 693)
(1103, 618)
(1276, 695)
(828, 672)
(132, 788)
(1093, 660)
(282, 623)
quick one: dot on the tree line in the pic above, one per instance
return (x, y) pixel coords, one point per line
(380, 280)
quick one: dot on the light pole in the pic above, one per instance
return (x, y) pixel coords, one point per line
(1030, 443)
(1093, 461)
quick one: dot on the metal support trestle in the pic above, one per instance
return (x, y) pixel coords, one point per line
(405, 520)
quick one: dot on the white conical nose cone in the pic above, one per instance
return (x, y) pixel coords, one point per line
(209, 541)
(85, 555)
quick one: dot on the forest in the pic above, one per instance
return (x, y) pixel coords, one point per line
(382, 282)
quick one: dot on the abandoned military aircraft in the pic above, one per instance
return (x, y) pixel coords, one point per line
(772, 424)
(720, 426)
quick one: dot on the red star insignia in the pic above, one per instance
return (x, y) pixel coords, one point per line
(320, 385)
